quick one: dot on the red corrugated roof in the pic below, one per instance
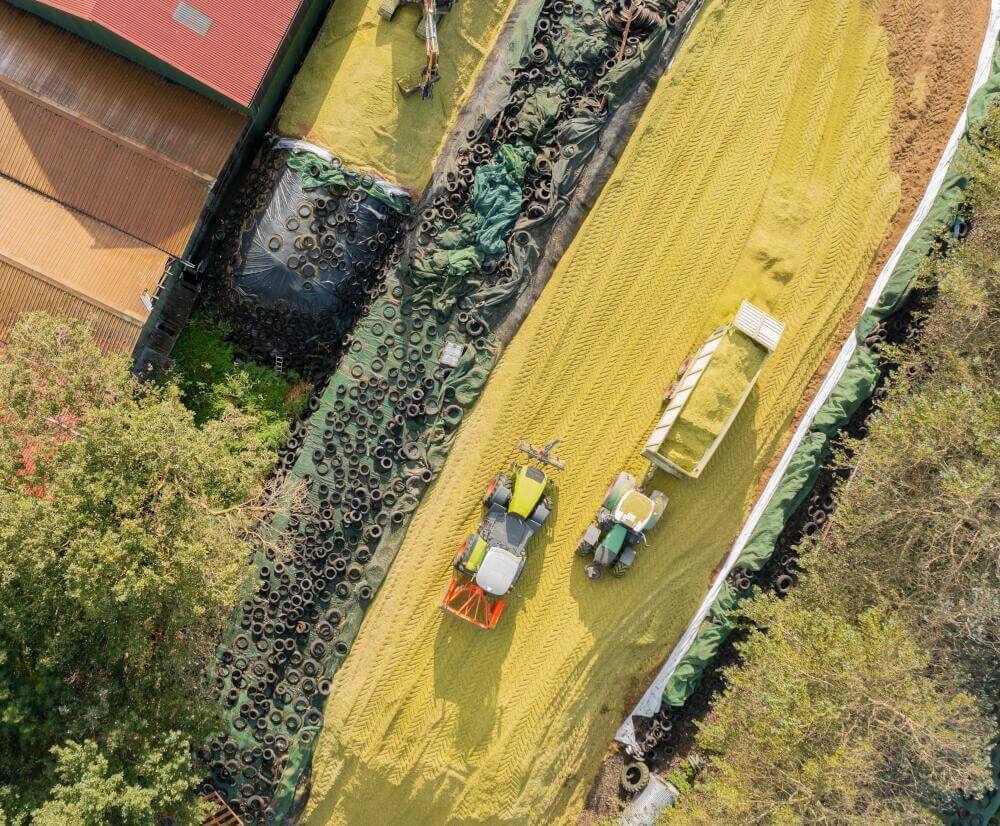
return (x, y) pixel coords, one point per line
(81, 8)
(232, 57)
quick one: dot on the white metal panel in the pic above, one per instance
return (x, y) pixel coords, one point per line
(757, 324)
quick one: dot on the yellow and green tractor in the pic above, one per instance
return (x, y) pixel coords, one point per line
(487, 566)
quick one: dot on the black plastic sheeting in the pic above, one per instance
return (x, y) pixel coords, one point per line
(295, 264)
(303, 252)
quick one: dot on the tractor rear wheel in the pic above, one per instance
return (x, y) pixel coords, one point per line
(584, 549)
(618, 569)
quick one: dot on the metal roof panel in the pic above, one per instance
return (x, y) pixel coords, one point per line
(227, 46)
(77, 254)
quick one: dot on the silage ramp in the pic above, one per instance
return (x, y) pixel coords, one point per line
(760, 170)
(345, 97)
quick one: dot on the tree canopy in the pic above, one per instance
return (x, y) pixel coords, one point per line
(121, 553)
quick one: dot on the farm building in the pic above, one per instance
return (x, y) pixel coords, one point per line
(110, 161)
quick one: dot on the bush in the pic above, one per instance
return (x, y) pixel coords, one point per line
(210, 380)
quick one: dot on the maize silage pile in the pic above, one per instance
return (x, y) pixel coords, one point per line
(377, 435)
(800, 503)
(733, 366)
(759, 170)
(345, 96)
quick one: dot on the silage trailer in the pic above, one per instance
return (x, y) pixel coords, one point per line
(712, 386)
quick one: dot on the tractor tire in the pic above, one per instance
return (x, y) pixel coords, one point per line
(540, 513)
(618, 569)
(387, 8)
(498, 492)
(593, 571)
(583, 549)
(634, 777)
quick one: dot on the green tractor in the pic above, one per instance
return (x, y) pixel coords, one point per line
(626, 516)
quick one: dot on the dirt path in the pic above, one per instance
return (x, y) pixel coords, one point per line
(761, 169)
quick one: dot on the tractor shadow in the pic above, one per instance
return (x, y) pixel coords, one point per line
(674, 570)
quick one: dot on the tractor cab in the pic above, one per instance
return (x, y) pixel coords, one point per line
(634, 510)
(498, 571)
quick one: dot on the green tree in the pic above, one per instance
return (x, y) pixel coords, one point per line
(120, 559)
(90, 793)
(212, 380)
(830, 721)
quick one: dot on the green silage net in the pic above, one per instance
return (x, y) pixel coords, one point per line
(319, 172)
(450, 266)
(496, 197)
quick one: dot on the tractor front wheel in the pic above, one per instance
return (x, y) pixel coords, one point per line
(593, 571)
(541, 512)
(498, 492)
(603, 519)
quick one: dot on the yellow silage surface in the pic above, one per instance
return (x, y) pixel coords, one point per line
(345, 99)
(760, 170)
